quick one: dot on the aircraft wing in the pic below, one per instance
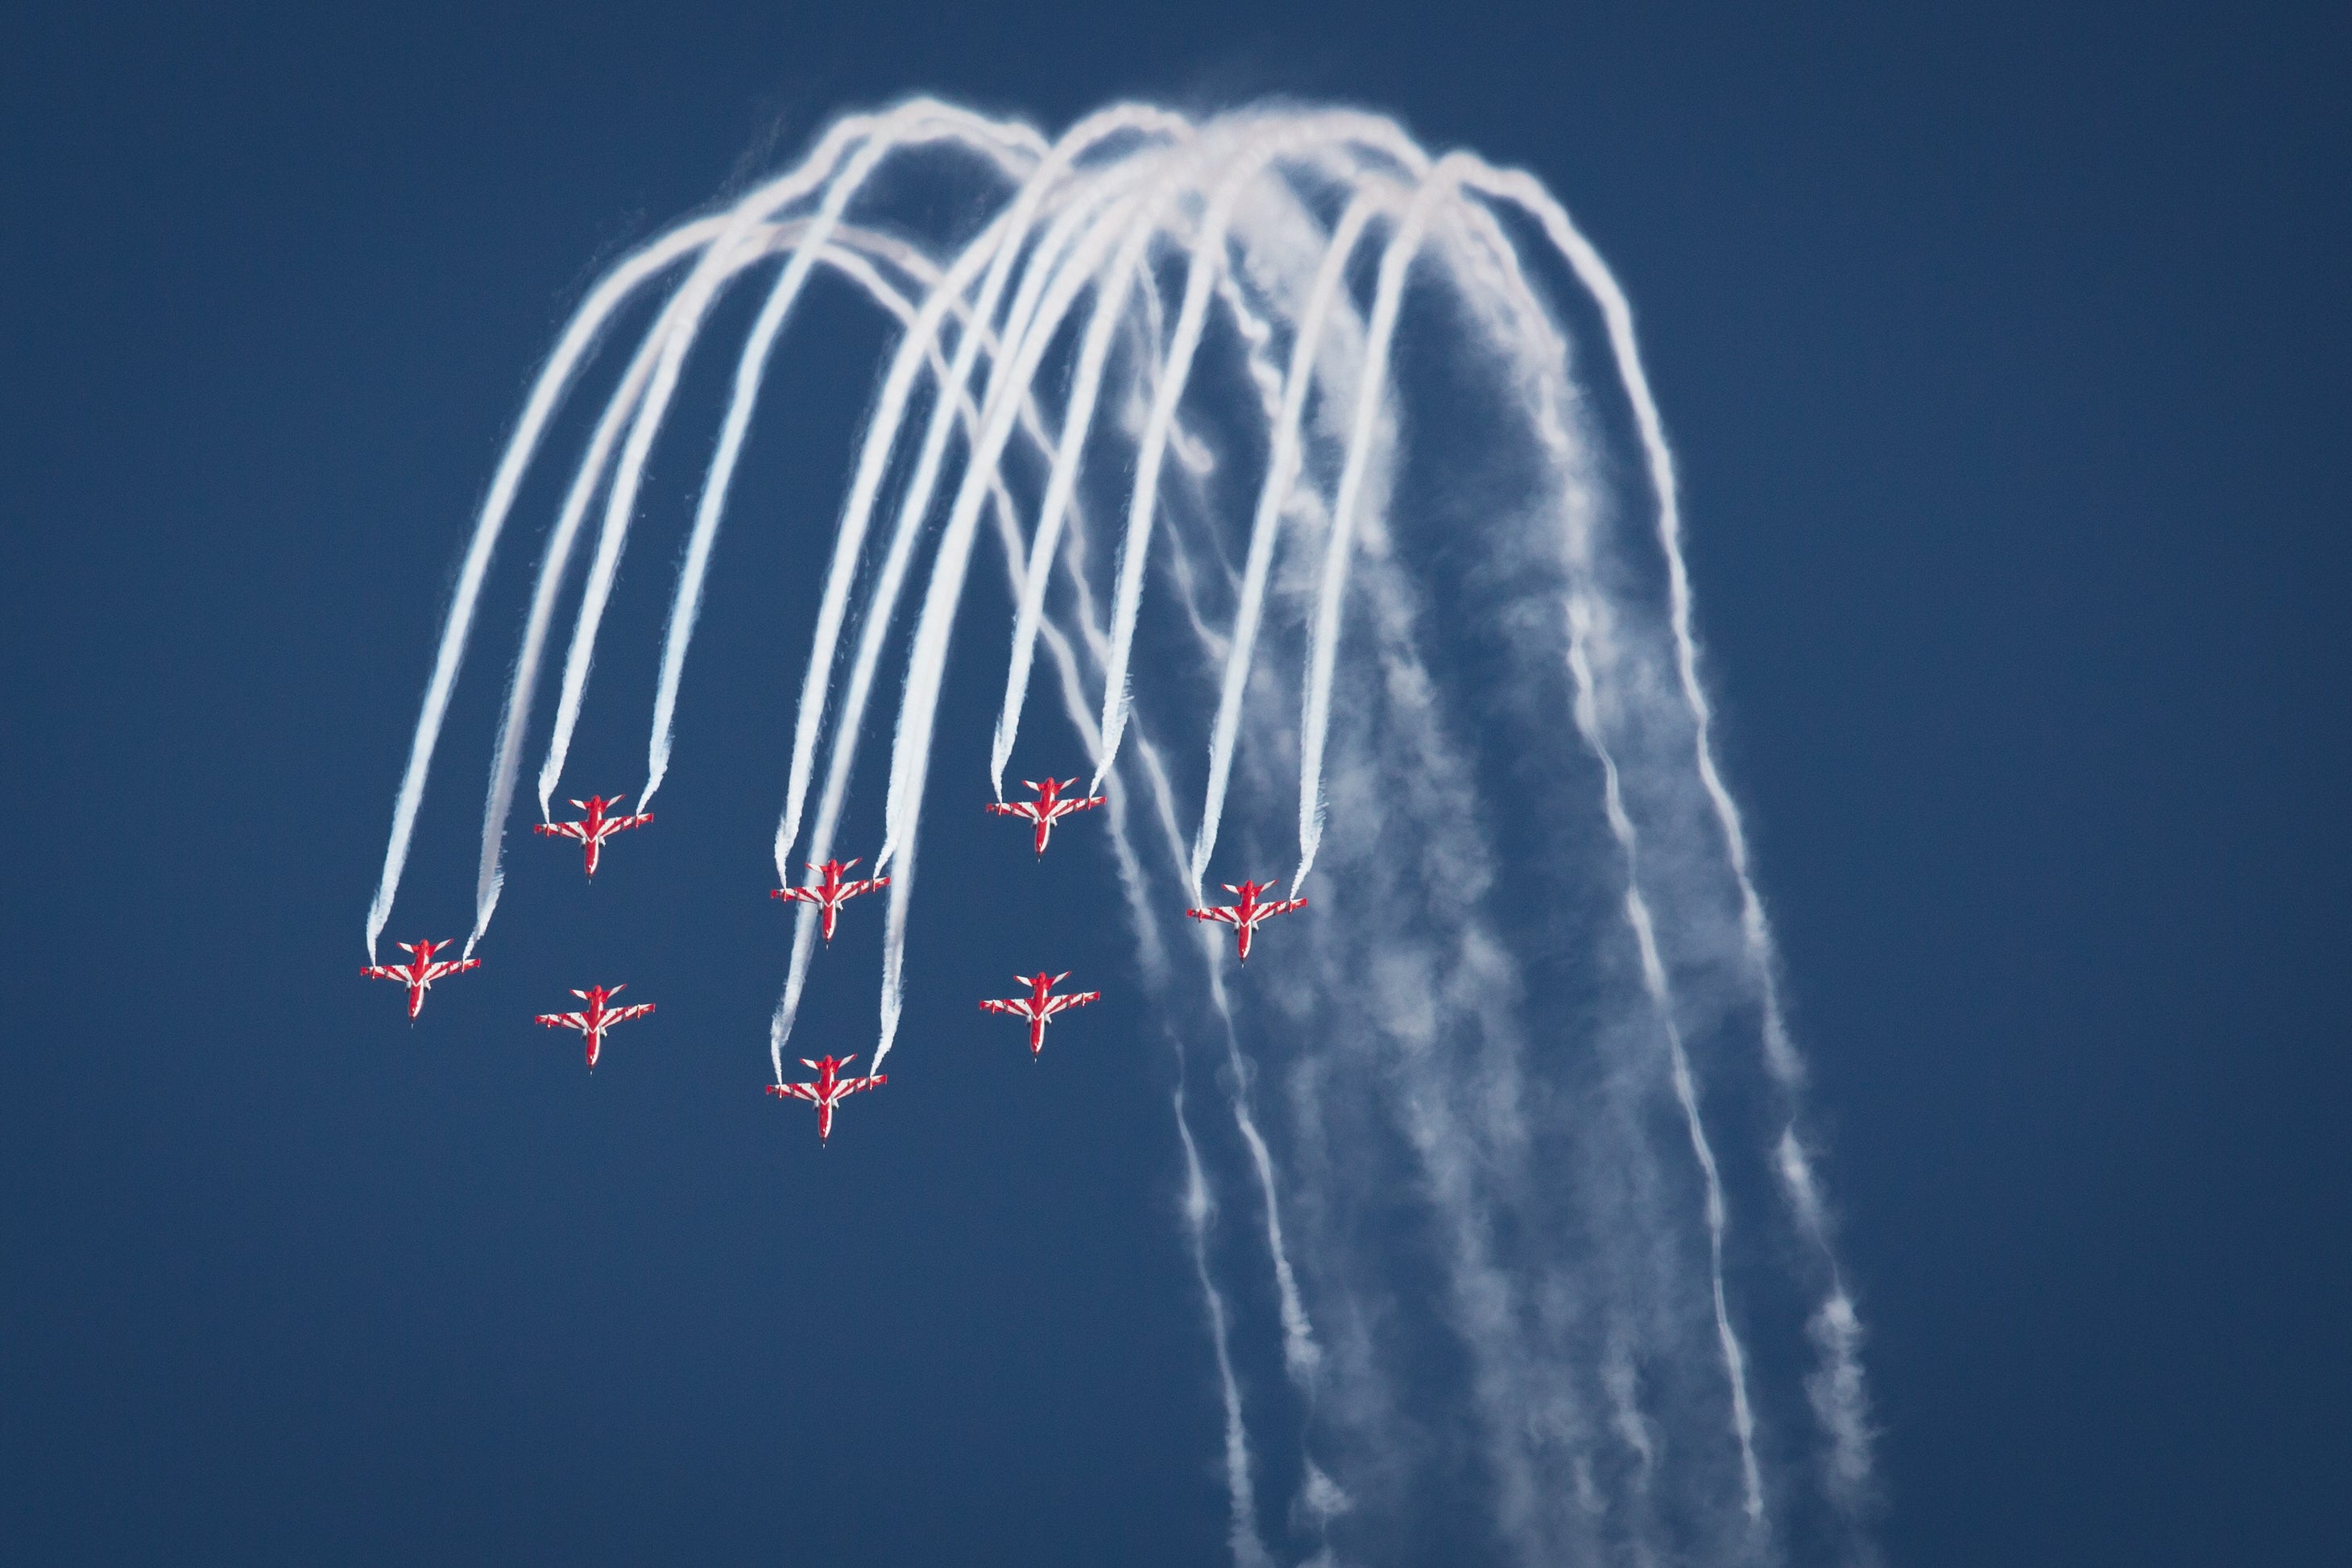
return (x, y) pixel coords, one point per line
(615, 824)
(1084, 802)
(852, 889)
(378, 972)
(561, 830)
(622, 1014)
(450, 966)
(1014, 808)
(847, 1086)
(1061, 1004)
(1018, 1008)
(794, 1091)
(564, 1020)
(1224, 914)
(800, 895)
(1282, 906)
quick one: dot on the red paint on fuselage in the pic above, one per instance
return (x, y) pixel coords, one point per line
(829, 892)
(419, 973)
(1047, 809)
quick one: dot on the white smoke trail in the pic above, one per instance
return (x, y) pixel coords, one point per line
(913, 505)
(751, 370)
(1638, 915)
(1525, 192)
(1274, 497)
(1653, 979)
(554, 379)
(921, 121)
(996, 248)
(730, 243)
(523, 683)
(1841, 1402)
(1315, 723)
(1133, 223)
(861, 680)
(925, 666)
(718, 239)
(1197, 1208)
(1844, 1415)
(1249, 1551)
(1301, 1354)
(1207, 264)
(1134, 551)
(750, 248)
(1085, 396)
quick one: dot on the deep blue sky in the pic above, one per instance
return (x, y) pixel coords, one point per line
(2006, 355)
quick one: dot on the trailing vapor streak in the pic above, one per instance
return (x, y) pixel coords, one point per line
(1315, 722)
(996, 248)
(1300, 1353)
(1249, 1549)
(1839, 1343)
(523, 683)
(728, 246)
(862, 679)
(717, 239)
(580, 335)
(1524, 191)
(750, 249)
(921, 121)
(1282, 473)
(1654, 979)
(926, 664)
(751, 370)
(914, 505)
(1207, 264)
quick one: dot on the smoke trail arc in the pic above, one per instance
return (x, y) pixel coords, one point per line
(1526, 1236)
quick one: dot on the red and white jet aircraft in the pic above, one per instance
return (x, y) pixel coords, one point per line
(829, 1089)
(596, 1018)
(596, 829)
(1047, 809)
(1246, 915)
(1040, 1005)
(419, 973)
(832, 892)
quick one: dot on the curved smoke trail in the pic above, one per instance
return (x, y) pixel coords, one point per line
(1510, 1091)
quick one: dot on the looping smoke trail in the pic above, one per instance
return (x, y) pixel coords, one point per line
(1282, 473)
(1315, 723)
(1845, 1412)
(750, 372)
(912, 124)
(1026, 344)
(1654, 979)
(1046, 264)
(1207, 264)
(996, 249)
(547, 393)
(1505, 1308)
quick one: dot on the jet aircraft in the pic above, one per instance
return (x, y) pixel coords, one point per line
(596, 828)
(832, 892)
(1246, 915)
(1047, 809)
(829, 1089)
(419, 973)
(596, 1018)
(1040, 1005)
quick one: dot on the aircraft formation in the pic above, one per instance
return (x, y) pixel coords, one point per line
(828, 893)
